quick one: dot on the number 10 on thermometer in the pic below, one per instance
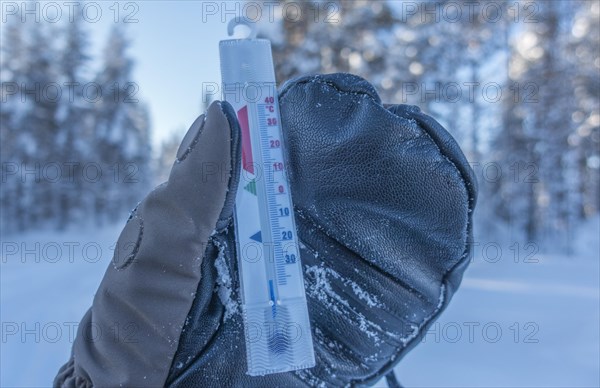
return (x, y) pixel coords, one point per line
(276, 322)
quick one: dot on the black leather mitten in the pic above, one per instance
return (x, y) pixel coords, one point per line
(383, 202)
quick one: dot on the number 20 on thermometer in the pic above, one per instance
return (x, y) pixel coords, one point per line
(276, 321)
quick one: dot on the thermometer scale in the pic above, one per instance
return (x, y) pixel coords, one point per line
(276, 322)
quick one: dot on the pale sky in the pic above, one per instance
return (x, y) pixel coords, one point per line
(175, 48)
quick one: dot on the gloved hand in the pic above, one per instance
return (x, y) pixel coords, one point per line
(383, 203)
(130, 334)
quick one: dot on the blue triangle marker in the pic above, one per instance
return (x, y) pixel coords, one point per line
(257, 237)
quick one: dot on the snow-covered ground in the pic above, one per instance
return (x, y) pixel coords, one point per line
(47, 282)
(517, 320)
(526, 320)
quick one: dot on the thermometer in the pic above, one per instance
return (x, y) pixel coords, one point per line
(276, 322)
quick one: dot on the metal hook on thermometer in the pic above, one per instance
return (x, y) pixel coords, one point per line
(241, 21)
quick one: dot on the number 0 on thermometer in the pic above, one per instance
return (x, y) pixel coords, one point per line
(276, 322)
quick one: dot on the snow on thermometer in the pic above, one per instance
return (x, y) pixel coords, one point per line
(276, 322)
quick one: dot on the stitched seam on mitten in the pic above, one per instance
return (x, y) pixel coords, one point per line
(131, 257)
(193, 144)
(234, 176)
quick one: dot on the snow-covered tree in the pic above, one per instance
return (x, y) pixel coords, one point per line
(121, 137)
(13, 145)
(42, 93)
(75, 121)
(65, 154)
(584, 49)
(534, 129)
(348, 36)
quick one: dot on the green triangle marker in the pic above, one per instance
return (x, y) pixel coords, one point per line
(251, 187)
